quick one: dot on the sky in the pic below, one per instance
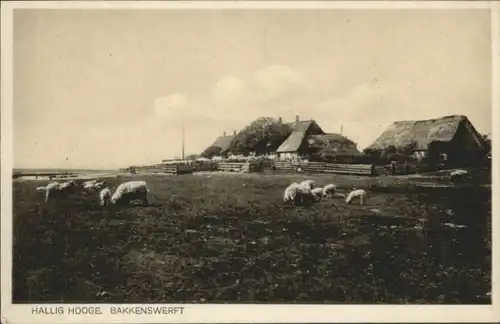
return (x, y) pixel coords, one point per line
(111, 88)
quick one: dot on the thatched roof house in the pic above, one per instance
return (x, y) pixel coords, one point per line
(220, 145)
(300, 130)
(453, 135)
(308, 139)
(332, 144)
(332, 148)
(223, 142)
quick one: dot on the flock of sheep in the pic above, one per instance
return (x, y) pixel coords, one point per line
(307, 192)
(125, 192)
(295, 193)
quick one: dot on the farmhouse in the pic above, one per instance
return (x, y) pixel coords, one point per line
(309, 140)
(332, 148)
(306, 140)
(451, 138)
(295, 144)
(222, 143)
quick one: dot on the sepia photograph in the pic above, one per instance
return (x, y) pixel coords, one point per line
(327, 156)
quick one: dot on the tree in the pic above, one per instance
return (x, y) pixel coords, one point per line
(408, 149)
(211, 151)
(263, 135)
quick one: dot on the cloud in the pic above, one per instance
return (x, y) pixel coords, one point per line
(277, 82)
(235, 100)
(173, 110)
(229, 90)
(366, 101)
(232, 100)
(363, 110)
(171, 106)
(275, 90)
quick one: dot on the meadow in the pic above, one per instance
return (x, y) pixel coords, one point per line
(218, 238)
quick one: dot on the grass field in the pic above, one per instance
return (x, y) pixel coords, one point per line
(230, 238)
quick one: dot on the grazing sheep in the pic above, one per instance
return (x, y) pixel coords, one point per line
(131, 190)
(88, 184)
(305, 194)
(291, 193)
(318, 193)
(94, 184)
(99, 185)
(330, 190)
(308, 184)
(356, 193)
(59, 189)
(104, 196)
(458, 174)
(50, 188)
(296, 193)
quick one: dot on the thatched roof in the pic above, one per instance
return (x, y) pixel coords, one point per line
(300, 130)
(422, 132)
(300, 126)
(333, 144)
(223, 142)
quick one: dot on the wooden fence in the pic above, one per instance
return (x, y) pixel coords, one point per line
(165, 168)
(179, 168)
(236, 166)
(205, 166)
(400, 168)
(258, 166)
(251, 166)
(381, 170)
(322, 167)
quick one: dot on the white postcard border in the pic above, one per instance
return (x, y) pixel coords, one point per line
(217, 313)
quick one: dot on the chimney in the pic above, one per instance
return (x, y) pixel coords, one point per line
(296, 118)
(280, 120)
(234, 132)
(224, 134)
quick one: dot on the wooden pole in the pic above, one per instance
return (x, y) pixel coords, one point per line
(182, 153)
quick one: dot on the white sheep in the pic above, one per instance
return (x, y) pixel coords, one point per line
(291, 193)
(56, 188)
(308, 184)
(356, 193)
(296, 193)
(51, 187)
(89, 184)
(104, 196)
(330, 190)
(41, 188)
(94, 184)
(131, 190)
(318, 193)
(100, 185)
(458, 174)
